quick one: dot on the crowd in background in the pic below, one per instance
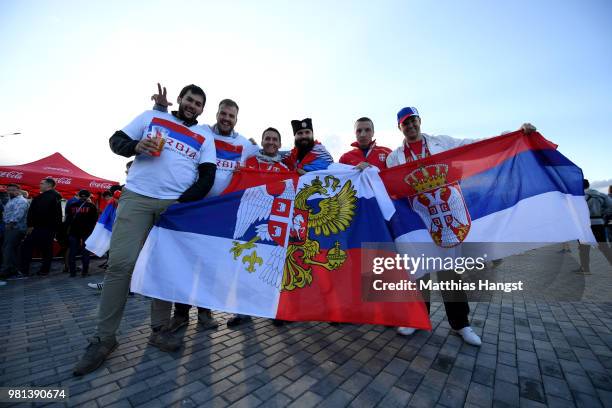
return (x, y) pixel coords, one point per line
(46, 226)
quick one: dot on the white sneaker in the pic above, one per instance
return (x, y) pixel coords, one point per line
(469, 336)
(97, 286)
(2, 283)
(406, 331)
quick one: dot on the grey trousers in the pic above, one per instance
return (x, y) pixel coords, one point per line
(136, 215)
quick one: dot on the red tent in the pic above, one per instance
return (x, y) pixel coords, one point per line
(69, 178)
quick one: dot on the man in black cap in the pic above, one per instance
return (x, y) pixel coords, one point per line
(81, 217)
(308, 154)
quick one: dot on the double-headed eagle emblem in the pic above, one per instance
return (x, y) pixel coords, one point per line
(289, 219)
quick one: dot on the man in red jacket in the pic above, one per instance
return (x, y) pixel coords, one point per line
(365, 153)
(268, 157)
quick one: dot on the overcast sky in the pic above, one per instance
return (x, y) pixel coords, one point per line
(74, 72)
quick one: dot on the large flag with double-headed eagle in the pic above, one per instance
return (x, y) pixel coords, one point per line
(289, 250)
(508, 194)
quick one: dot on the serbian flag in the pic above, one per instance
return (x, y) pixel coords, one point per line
(99, 240)
(286, 250)
(244, 178)
(515, 188)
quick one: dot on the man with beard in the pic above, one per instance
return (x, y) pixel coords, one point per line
(365, 153)
(232, 149)
(175, 160)
(308, 154)
(415, 146)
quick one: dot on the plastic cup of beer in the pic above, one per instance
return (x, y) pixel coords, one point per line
(158, 135)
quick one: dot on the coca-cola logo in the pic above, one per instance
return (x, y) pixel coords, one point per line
(11, 174)
(61, 180)
(57, 169)
(95, 184)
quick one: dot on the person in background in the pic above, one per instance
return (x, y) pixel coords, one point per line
(106, 197)
(81, 217)
(600, 206)
(44, 221)
(609, 219)
(15, 226)
(62, 238)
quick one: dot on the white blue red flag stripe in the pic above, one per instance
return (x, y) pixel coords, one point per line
(228, 151)
(99, 240)
(179, 133)
(514, 188)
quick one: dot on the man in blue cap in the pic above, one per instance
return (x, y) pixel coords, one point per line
(417, 145)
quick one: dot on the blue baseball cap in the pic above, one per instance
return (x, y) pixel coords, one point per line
(406, 113)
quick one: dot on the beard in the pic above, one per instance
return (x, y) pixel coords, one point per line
(225, 131)
(304, 146)
(181, 115)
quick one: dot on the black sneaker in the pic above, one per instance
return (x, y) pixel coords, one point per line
(177, 322)
(278, 322)
(207, 320)
(164, 340)
(238, 320)
(94, 356)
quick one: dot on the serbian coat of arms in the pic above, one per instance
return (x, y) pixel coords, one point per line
(289, 219)
(440, 205)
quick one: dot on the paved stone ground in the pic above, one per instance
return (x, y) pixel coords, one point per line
(536, 351)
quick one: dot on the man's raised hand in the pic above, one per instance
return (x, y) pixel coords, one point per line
(160, 97)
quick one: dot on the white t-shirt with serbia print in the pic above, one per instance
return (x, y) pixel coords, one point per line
(176, 168)
(231, 151)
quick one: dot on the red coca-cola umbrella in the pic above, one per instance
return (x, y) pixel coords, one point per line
(69, 178)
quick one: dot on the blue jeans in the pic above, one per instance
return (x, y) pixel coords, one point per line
(77, 245)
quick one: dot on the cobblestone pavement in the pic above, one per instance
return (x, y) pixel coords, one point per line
(535, 352)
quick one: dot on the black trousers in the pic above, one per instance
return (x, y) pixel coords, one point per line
(455, 301)
(181, 309)
(41, 239)
(77, 246)
(585, 250)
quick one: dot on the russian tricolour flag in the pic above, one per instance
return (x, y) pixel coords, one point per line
(289, 250)
(515, 188)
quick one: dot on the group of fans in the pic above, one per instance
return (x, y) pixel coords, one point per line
(177, 159)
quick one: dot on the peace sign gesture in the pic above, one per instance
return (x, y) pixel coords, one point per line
(160, 97)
